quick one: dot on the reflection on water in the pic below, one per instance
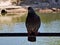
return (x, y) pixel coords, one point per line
(16, 23)
(50, 22)
(12, 23)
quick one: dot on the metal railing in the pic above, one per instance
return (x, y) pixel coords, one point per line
(26, 34)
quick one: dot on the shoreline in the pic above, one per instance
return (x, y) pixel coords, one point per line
(23, 10)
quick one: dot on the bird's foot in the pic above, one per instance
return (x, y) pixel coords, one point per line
(37, 33)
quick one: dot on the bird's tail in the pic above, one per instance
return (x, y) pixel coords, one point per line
(32, 37)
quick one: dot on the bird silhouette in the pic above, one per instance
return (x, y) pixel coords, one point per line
(32, 24)
(3, 12)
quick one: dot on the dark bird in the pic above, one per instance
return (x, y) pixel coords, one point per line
(3, 12)
(32, 24)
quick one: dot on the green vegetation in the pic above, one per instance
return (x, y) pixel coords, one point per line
(48, 17)
(45, 17)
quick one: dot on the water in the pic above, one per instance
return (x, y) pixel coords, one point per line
(16, 24)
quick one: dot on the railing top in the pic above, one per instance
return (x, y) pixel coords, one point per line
(26, 34)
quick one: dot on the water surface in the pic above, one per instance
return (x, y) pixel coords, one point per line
(50, 23)
(14, 24)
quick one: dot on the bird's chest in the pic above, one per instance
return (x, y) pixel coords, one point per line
(32, 20)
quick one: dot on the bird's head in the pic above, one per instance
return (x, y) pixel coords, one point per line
(30, 9)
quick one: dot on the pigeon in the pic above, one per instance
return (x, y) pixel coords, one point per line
(33, 23)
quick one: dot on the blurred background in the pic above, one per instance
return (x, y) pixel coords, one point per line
(14, 20)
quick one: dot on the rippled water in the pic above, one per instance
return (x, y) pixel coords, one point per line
(15, 24)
